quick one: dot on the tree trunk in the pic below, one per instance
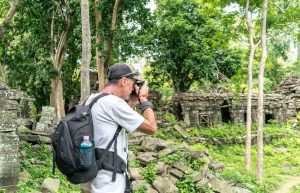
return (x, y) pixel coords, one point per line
(86, 51)
(2, 67)
(109, 45)
(249, 92)
(102, 63)
(260, 108)
(99, 62)
(298, 53)
(58, 53)
(56, 97)
(11, 12)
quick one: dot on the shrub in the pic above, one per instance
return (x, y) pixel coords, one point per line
(149, 172)
(186, 185)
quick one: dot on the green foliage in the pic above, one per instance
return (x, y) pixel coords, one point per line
(39, 165)
(206, 190)
(190, 44)
(170, 118)
(174, 157)
(196, 164)
(141, 189)
(198, 146)
(280, 159)
(231, 130)
(186, 185)
(149, 172)
(295, 189)
(134, 163)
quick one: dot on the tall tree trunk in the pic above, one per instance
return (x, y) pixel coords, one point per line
(2, 67)
(11, 12)
(56, 97)
(260, 108)
(58, 53)
(99, 62)
(249, 92)
(86, 50)
(298, 53)
(103, 63)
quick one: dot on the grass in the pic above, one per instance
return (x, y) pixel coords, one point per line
(281, 159)
(38, 163)
(295, 189)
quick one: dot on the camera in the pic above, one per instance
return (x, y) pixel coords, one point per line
(140, 84)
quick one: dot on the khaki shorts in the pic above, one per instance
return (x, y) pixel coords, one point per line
(86, 187)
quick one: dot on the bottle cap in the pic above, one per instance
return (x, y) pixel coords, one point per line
(86, 137)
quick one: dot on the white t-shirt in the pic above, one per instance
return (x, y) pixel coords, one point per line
(109, 112)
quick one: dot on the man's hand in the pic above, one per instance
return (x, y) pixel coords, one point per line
(143, 92)
(133, 101)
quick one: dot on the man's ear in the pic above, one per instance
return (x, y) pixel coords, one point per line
(122, 81)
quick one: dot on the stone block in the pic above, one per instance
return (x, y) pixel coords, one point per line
(135, 174)
(166, 152)
(41, 126)
(177, 173)
(9, 161)
(8, 116)
(9, 104)
(146, 157)
(135, 185)
(50, 185)
(8, 127)
(165, 185)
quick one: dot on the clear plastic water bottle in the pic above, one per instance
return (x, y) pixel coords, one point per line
(86, 154)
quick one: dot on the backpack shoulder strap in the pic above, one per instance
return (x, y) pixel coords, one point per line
(96, 99)
(101, 159)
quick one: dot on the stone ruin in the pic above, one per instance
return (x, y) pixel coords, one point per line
(156, 151)
(207, 109)
(43, 129)
(15, 111)
(290, 88)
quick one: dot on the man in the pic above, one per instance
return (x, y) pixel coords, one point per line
(112, 111)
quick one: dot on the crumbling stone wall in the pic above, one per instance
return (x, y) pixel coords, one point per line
(198, 109)
(10, 117)
(201, 109)
(290, 88)
(275, 108)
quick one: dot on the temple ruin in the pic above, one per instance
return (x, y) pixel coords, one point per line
(207, 109)
(14, 111)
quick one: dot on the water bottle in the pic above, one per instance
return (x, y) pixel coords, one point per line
(86, 153)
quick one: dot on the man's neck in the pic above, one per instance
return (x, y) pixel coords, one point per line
(112, 90)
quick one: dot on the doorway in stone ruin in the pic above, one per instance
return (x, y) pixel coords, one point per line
(269, 117)
(178, 111)
(225, 113)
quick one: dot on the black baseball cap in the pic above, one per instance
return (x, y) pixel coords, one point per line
(119, 70)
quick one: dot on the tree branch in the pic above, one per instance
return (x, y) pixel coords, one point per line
(109, 44)
(11, 12)
(114, 15)
(280, 8)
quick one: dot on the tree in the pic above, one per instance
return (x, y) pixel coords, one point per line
(260, 108)
(7, 19)
(86, 51)
(59, 40)
(108, 43)
(249, 92)
(36, 47)
(189, 44)
(120, 28)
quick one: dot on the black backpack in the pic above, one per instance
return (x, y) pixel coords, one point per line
(66, 141)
